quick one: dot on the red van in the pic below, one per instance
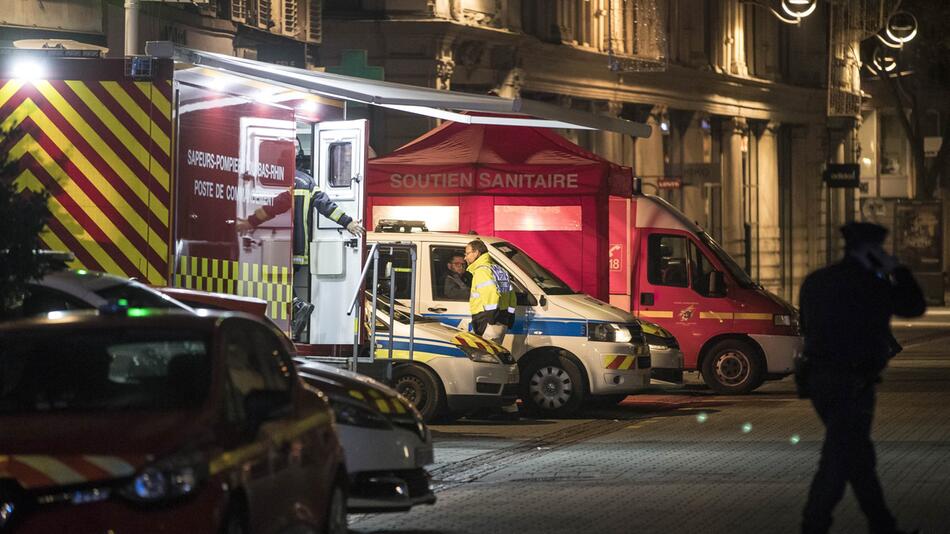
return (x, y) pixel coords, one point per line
(666, 269)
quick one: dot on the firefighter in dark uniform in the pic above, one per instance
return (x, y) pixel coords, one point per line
(846, 310)
(306, 199)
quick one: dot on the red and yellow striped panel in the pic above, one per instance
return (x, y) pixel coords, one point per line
(40, 471)
(618, 362)
(101, 147)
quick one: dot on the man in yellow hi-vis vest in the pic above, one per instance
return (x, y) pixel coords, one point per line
(492, 300)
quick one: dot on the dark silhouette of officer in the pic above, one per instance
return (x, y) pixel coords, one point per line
(846, 310)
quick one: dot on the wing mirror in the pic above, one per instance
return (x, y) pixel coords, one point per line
(262, 405)
(717, 284)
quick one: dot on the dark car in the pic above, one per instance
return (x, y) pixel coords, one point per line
(160, 421)
(386, 441)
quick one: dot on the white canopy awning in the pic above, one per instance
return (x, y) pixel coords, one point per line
(448, 105)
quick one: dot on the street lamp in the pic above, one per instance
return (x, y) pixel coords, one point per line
(793, 11)
(901, 28)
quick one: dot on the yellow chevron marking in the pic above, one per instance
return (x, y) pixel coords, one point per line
(158, 244)
(417, 355)
(357, 395)
(76, 121)
(157, 98)
(139, 115)
(656, 313)
(74, 228)
(628, 362)
(9, 89)
(383, 406)
(754, 316)
(715, 315)
(121, 132)
(75, 192)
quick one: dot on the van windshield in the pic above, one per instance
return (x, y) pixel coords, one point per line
(550, 284)
(730, 264)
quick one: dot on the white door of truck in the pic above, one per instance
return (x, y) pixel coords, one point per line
(339, 152)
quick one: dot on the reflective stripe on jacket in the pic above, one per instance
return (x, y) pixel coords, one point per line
(491, 288)
(307, 199)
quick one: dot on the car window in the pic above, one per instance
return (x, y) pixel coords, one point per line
(41, 300)
(546, 280)
(700, 267)
(105, 369)
(273, 362)
(667, 260)
(400, 264)
(446, 283)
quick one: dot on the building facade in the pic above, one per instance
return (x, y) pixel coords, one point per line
(746, 109)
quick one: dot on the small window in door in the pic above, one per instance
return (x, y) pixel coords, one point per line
(667, 264)
(340, 164)
(400, 264)
(450, 280)
(700, 267)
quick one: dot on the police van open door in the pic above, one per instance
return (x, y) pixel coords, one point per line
(339, 162)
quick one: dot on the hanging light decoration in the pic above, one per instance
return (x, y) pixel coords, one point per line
(901, 28)
(799, 9)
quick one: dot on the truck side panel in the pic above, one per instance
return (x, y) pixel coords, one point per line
(100, 143)
(234, 203)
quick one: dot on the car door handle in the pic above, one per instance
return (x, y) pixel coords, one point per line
(437, 310)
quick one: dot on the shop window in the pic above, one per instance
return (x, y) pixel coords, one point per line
(538, 218)
(667, 261)
(893, 146)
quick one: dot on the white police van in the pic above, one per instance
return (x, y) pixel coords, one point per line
(568, 345)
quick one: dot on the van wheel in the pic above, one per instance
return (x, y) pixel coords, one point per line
(552, 386)
(336, 511)
(421, 389)
(733, 367)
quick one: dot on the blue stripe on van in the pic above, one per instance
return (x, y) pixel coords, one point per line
(534, 327)
(422, 347)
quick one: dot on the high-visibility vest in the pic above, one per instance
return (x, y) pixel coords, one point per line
(491, 287)
(302, 210)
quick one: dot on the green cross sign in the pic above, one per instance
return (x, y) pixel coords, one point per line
(354, 64)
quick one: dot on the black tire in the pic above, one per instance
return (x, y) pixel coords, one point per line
(733, 367)
(422, 388)
(336, 511)
(605, 401)
(552, 386)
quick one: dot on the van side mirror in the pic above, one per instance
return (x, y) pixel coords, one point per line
(717, 284)
(262, 405)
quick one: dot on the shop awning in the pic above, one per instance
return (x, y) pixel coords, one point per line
(448, 105)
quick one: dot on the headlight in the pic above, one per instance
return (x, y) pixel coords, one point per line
(782, 320)
(478, 355)
(610, 332)
(169, 479)
(356, 415)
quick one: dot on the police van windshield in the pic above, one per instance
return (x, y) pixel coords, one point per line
(730, 264)
(550, 284)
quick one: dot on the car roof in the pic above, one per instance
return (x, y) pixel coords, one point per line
(138, 318)
(83, 283)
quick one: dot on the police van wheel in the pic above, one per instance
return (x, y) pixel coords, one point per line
(421, 389)
(733, 367)
(552, 386)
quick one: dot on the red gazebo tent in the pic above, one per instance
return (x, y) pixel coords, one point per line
(529, 186)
